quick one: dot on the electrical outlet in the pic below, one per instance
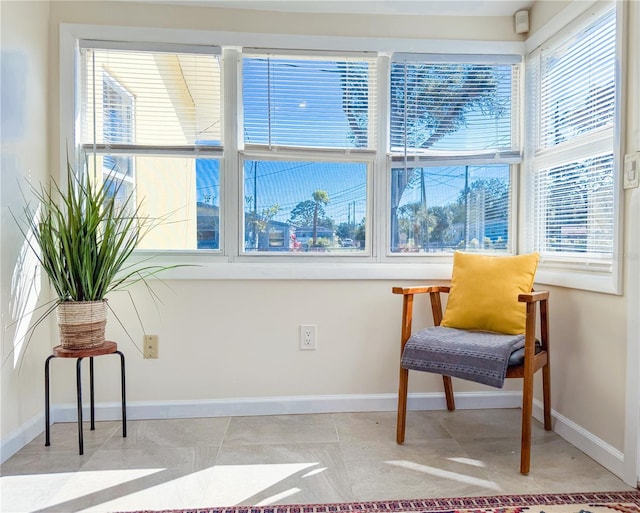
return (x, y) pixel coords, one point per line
(150, 348)
(307, 336)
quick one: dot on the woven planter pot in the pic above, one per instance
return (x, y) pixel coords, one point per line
(82, 323)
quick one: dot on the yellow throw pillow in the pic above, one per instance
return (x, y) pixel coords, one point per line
(484, 292)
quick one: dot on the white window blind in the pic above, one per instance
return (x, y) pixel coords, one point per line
(175, 98)
(317, 101)
(454, 107)
(577, 198)
(572, 197)
(577, 93)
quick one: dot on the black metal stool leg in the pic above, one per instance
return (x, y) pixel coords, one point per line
(124, 396)
(79, 393)
(47, 413)
(93, 402)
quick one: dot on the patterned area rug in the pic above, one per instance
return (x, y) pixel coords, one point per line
(595, 502)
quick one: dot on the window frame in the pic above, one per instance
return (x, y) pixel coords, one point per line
(273, 151)
(229, 264)
(317, 155)
(507, 156)
(130, 148)
(561, 270)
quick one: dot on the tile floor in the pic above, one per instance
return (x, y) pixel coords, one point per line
(319, 458)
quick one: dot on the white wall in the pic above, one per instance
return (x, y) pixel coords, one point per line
(25, 125)
(252, 21)
(632, 252)
(596, 336)
(233, 339)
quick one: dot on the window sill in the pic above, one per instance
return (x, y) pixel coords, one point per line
(606, 283)
(309, 270)
(219, 267)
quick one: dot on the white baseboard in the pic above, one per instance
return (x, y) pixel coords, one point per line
(287, 405)
(608, 456)
(464, 401)
(21, 437)
(255, 406)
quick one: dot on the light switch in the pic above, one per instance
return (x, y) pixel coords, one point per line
(631, 172)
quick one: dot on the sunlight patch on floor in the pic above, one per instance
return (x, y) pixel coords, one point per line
(446, 474)
(315, 471)
(468, 461)
(222, 485)
(232, 484)
(26, 492)
(278, 497)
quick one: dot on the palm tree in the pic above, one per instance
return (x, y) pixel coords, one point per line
(319, 197)
(419, 221)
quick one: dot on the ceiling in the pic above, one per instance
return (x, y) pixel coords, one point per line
(402, 7)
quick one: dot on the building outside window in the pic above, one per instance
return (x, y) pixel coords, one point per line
(117, 128)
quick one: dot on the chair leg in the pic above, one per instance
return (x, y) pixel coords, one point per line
(448, 393)
(546, 395)
(527, 410)
(402, 405)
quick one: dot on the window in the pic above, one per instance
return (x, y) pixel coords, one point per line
(572, 198)
(320, 155)
(369, 157)
(175, 145)
(453, 140)
(305, 184)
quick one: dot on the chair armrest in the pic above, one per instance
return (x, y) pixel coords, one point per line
(407, 306)
(533, 297)
(419, 290)
(542, 299)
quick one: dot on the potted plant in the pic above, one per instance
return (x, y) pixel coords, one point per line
(83, 237)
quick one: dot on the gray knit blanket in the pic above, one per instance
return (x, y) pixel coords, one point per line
(478, 356)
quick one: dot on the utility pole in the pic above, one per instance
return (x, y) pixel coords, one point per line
(466, 205)
(254, 165)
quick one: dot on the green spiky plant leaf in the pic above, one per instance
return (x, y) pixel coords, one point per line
(83, 237)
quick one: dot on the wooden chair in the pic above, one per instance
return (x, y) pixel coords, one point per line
(522, 363)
